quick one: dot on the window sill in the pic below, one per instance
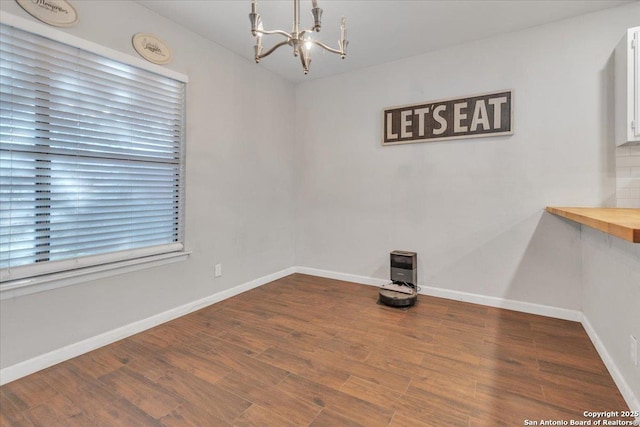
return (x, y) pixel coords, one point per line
(21, 287)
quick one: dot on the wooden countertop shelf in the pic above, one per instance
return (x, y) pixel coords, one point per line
(620, 222)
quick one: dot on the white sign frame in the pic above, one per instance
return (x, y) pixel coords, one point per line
(451, 133)
(58, 13)
(151, 48)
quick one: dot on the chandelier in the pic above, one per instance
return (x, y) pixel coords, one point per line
(299, 40)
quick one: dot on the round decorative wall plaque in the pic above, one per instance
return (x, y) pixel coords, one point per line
(58, 13)
(151, 48)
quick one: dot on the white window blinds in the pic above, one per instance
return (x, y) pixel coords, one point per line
(91, 158)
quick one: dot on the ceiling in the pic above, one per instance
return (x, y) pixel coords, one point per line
(378, 31)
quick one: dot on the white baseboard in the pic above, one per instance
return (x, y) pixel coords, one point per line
(526, 307)
(363, 280)
(508, 304)
(22, 369)
(625, 389)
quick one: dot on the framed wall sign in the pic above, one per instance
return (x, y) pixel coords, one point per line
(151, 48)
(59, 13)
(488, 114)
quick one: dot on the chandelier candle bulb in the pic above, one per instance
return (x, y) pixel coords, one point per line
(254, 4)
(317, 19)
(342, 43)
(256, 23)
(258, 50)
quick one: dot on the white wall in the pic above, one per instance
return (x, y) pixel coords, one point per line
(472, 209)
(611, 303)
(239, 207)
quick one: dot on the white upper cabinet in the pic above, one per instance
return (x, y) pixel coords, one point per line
(627, 103)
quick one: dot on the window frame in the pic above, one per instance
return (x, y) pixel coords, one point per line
(48, 281)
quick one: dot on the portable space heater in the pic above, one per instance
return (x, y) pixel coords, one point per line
(403, 289)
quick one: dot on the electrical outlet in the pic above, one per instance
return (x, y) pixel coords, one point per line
(217, 270)
(633, 347)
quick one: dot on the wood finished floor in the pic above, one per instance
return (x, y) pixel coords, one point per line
(306, 351)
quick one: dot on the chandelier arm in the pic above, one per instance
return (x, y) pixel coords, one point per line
(270, 51)
(269, 32)
(308, 31)
(330, 49)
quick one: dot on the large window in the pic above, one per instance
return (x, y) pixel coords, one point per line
(91, 158)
